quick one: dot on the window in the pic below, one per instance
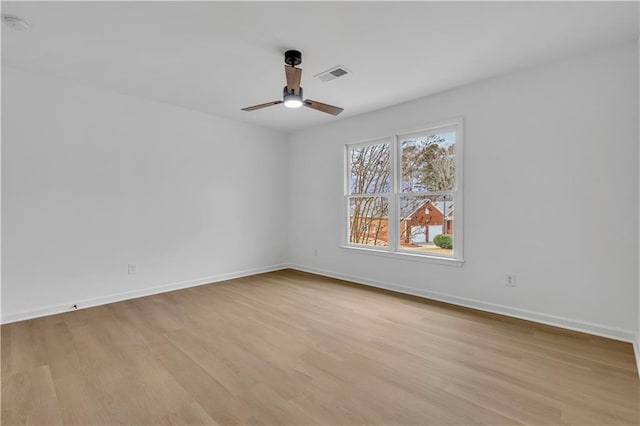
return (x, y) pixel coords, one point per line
(404, 193)
(369, 191)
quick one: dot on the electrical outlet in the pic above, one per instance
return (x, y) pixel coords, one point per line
(131, 268)
(510, 280)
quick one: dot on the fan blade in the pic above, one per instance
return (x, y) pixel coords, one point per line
(294, 75)
(255, 107)
(329, 109)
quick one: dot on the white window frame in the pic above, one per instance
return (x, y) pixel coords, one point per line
(394, 250)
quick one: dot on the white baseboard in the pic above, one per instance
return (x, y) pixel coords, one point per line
(103, 300)
(553, 320)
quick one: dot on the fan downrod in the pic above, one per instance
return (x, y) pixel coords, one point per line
(292, 57)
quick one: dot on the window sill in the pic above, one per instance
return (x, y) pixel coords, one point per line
(406, 256)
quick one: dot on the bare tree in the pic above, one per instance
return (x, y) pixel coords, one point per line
(370, 174)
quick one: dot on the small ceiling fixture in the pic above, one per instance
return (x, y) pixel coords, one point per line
(292, 92)
(15, 23)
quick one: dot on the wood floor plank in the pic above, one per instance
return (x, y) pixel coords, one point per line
(62, 353)
(219, 403)
(29, 398)
(192, 414)
(291, 348)
(26, 350)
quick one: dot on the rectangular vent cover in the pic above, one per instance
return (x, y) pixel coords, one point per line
(332, 74)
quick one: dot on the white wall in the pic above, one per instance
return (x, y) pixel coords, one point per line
(93, 180)
(555, 146)
(637, 342)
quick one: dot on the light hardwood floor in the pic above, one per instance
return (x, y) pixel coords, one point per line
(295, 348)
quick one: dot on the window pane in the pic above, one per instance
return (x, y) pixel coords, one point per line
(427, 224)
(370, 169)
(368, 221)
(428, 162)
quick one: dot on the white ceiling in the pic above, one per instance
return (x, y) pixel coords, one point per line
(217, 57)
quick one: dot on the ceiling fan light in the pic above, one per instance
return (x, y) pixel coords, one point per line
(293, 102)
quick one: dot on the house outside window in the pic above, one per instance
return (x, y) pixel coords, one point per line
(403, 193)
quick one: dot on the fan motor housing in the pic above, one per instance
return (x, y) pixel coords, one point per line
(292, 57)
(286, 93)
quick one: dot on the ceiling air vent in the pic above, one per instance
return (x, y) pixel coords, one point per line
(332, 74)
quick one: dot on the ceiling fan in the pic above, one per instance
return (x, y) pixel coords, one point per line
(292, 92)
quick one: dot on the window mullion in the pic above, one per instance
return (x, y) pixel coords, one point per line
(371, 195)
(394, 224)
